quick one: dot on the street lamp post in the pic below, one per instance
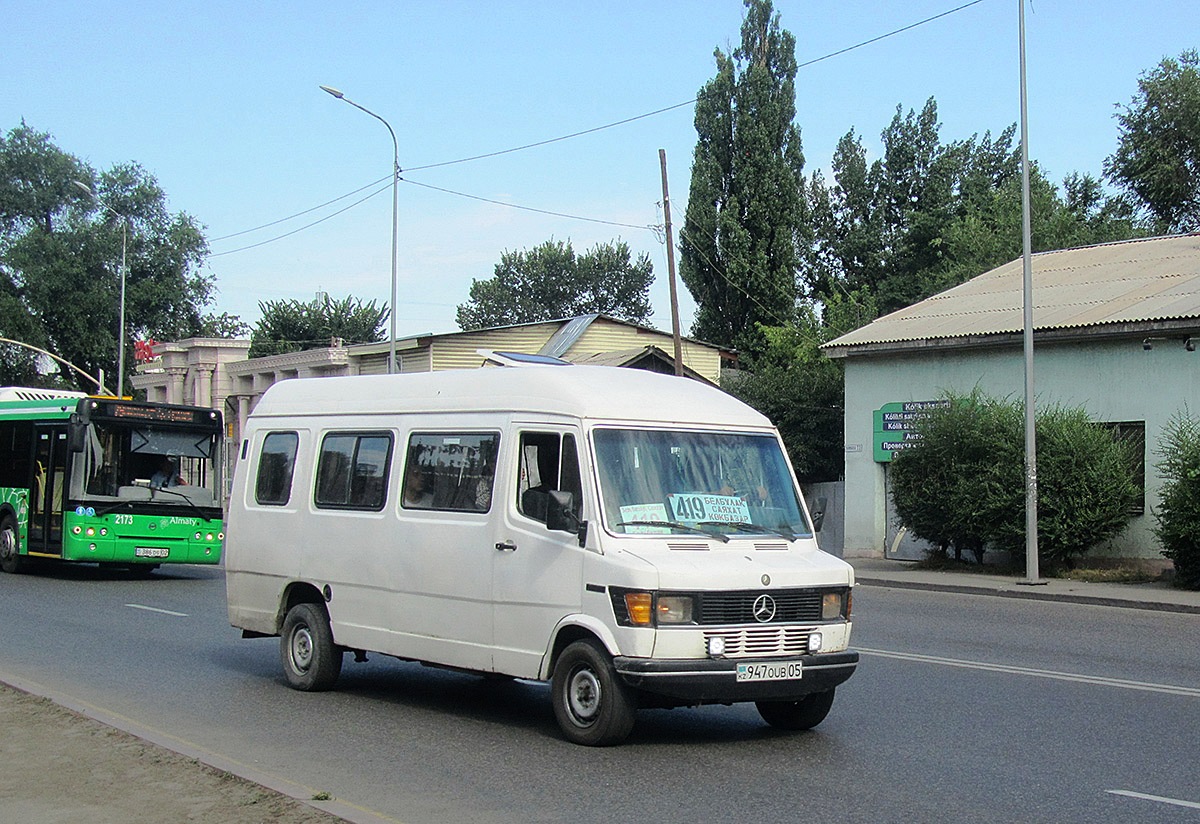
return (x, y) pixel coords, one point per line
(395, 218)
(121, 322)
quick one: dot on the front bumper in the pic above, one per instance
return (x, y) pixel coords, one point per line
(714, 680)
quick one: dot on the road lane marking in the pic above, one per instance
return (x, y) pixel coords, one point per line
(1194, 805)
(156, 609)
(1169, 689)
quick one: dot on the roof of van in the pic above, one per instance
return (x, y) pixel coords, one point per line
(591, 392)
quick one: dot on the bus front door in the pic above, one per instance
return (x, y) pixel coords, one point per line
(48, 490)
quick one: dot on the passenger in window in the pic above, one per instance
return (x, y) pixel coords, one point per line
(483, 488)
(418, 489)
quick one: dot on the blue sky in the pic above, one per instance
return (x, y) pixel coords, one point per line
(220, 101)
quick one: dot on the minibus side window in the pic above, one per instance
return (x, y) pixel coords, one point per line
(548, 461)
(452, 471)
(273, 485)
(352, 471)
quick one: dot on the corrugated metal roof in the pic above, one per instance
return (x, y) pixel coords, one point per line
(1137, 281)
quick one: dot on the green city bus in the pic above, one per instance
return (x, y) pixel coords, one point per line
(108, 480)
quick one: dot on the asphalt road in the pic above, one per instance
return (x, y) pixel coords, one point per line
(963, 709)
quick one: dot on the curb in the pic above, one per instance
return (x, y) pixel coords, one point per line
(1029, 593)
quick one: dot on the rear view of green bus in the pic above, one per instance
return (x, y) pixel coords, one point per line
(109, 481)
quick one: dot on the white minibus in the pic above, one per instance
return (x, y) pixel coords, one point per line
(636, 539)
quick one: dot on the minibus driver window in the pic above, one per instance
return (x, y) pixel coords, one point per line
(548, 461)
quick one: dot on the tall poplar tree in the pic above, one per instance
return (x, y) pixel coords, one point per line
(739, 246)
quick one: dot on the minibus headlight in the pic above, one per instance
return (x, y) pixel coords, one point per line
(640, 606)
(674, 609)
(832, 606)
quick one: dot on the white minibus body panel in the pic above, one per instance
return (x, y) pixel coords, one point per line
(636, 538)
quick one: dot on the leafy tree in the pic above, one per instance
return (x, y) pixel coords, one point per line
(1158, 154)
(746, 217)
(60, 255)
(801, 391)
(1178, 511)
(294, 326)
(550, 281)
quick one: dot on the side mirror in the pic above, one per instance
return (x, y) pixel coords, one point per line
(818, 513)
(76, 434)
(561, 517)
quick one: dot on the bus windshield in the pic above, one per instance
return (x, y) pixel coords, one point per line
(724, 484)
(140, 461)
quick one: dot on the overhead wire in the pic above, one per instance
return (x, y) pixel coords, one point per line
(546, 142)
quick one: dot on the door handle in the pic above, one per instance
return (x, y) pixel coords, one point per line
(506, 546)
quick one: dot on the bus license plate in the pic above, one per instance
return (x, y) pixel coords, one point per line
(151, 552)
(778, 671)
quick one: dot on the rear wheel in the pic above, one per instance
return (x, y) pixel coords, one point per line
(797, 715)
(11, 560)
(591, 704)
(311, 661)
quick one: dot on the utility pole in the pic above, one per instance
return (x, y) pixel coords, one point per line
(662, 162)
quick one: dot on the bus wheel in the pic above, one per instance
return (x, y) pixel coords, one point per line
(591, 704)
(11, 560)
(311, 661)
(797, 715)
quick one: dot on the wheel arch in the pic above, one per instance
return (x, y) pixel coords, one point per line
(576, 628)
(299, 592)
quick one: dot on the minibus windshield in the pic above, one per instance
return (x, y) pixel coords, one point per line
(724, 484)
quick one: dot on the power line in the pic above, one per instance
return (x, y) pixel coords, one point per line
(299, 214)
(545, 143)
(307, 225)
(528, 208)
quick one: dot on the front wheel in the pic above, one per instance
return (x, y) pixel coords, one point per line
(11, 560)
(311, 661)
(797, 715)
(591, 704)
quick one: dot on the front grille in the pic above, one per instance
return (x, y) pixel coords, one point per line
(791, 606)
(755, 641)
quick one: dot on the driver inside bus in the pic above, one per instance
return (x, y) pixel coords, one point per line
(166, 475)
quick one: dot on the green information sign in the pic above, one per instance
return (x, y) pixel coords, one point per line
(895, 424)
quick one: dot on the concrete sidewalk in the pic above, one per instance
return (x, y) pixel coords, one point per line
(1157, 595)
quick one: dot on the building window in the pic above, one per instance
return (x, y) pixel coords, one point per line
(1133, 433)
(353, 469)
(273, 486)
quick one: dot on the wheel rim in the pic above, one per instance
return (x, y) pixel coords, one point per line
(583, 696)
(8, 544)
(301, 649)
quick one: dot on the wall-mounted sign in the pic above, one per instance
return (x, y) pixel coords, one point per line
(895, 425)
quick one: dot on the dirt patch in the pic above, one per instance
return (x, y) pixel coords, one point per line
(60, 767)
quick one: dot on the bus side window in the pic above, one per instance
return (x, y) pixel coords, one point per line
(273, 485)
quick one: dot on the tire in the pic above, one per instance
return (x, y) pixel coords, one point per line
(311, 661)
(591, 704)
(797, 715)
(11, 561)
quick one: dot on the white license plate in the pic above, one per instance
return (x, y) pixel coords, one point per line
(151, 552)
(770, 671)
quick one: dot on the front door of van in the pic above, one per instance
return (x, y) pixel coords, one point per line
(536, 572)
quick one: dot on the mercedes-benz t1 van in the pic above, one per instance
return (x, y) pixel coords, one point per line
(635, 539)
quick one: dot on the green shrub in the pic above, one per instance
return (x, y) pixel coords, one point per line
(963, 484)
(1178, 512)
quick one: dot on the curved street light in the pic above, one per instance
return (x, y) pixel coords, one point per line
(395, 217)
(124, 238)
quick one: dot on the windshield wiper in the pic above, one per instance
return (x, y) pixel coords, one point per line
(677, 525)
(756, 528)
(195, 508)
